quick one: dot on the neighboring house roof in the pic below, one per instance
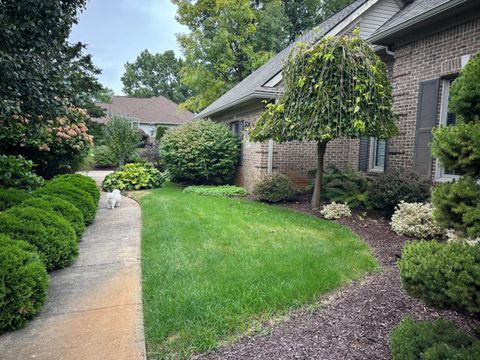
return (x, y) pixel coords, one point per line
(252, 85)
(155, 110)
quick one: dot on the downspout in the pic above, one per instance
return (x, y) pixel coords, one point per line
(270, 157)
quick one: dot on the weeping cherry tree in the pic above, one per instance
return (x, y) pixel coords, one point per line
(335, 88)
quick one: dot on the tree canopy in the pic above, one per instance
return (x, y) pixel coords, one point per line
(154, 75)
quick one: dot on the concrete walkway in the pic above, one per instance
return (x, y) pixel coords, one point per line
(94, 307)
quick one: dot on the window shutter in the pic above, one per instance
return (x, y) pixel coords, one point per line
(363, 154)
(426, 121)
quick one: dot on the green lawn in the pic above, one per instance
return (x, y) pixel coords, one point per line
(213, 267)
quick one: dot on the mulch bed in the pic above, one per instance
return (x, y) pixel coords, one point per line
(354, 322)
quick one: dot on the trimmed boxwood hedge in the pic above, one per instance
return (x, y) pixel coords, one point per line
(84, 183)
(61, 207)
(11, 197)
(23, 283)
(52, 236)
(71, 193)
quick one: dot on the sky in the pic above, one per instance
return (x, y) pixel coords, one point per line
(116, 31)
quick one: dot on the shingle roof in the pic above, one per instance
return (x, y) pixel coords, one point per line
(253, 83)
(156, 110)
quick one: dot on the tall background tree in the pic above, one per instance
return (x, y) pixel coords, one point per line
(154, 75)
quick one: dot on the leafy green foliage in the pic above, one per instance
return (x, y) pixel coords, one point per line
(443, 275)
(431, 340)
(23, 289)
(161, 130)
(465, 92)
(102, 157)
(274, 188)
(134, 177)
(82, 182)
(222, 191)
(387, 190)
(121, 138)
(52, 236)
(200, 152)
(348, 187)
(104, 95)
(151, 154)
(457, 206)
(12, 197)
(154, 75)
(16, 172)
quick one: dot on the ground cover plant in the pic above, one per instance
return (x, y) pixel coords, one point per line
(222, 190)
(134, 177)
(213, 266)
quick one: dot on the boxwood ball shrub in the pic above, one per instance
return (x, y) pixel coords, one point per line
(201, 152)
(388, 189)
(415, 220)
(71, 193)
(431, 340)
(23, 283)
(210, 190)
(134, 177)
(61, 207)
(52, 236)
(84, 183)
(274, 188)
(11, 197)
(444, 275)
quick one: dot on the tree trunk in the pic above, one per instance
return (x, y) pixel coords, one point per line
(321, 148)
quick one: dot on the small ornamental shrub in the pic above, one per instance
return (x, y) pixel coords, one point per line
(201, 152)
(388, 189)
(415, 220)
(134, 177)
(62, 208)
(12, 197)
(84, 183)
(151, 154)
(103, 157)
(274, 188)
(349, 187)
(52, 236)
(457, 206)
(222, 191)
(335, 211)
(432, 340)
(121, 139)
(443, 275)
(23, 283)
(160, 132)
(71, 193)
(16, 172)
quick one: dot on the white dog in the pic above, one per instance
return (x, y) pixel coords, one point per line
(114, 198)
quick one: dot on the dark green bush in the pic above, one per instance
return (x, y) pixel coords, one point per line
(23, 283)
(222, 190)
(103, 157)
(134, 177)
(436, 340)
(16, 172)
(388, 189)
(457, 206)
(160, 132)
(71, 193)
(274, 188)
(62, 208)
(201, 152)
(84, 183)
(11, 197)
(446, 276)
(52, 236)
(347, 187)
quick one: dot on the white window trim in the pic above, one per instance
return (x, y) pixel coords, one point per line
(371, 157)
(440, 175)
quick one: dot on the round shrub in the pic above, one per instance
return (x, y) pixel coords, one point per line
(84, 183)
(201, 152)
(62, 208)
(415, 220)
(77, 197)
(103, 157)
(17, 172)
(388, 189)
(23, 283)
(431, 340)
(134, 177)
(443, 275)
(52, 236)
(335, 211)
(274, 188)
(11, 197)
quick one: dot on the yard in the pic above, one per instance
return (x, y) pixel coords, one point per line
(214, 268)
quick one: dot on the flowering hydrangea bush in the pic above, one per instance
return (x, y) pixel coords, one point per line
(415, 220)
(335, 211)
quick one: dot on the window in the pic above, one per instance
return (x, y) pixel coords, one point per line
(377, 155)
(236, 128)
(447, 118)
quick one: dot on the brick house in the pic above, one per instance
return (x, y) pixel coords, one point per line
(424, 43)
